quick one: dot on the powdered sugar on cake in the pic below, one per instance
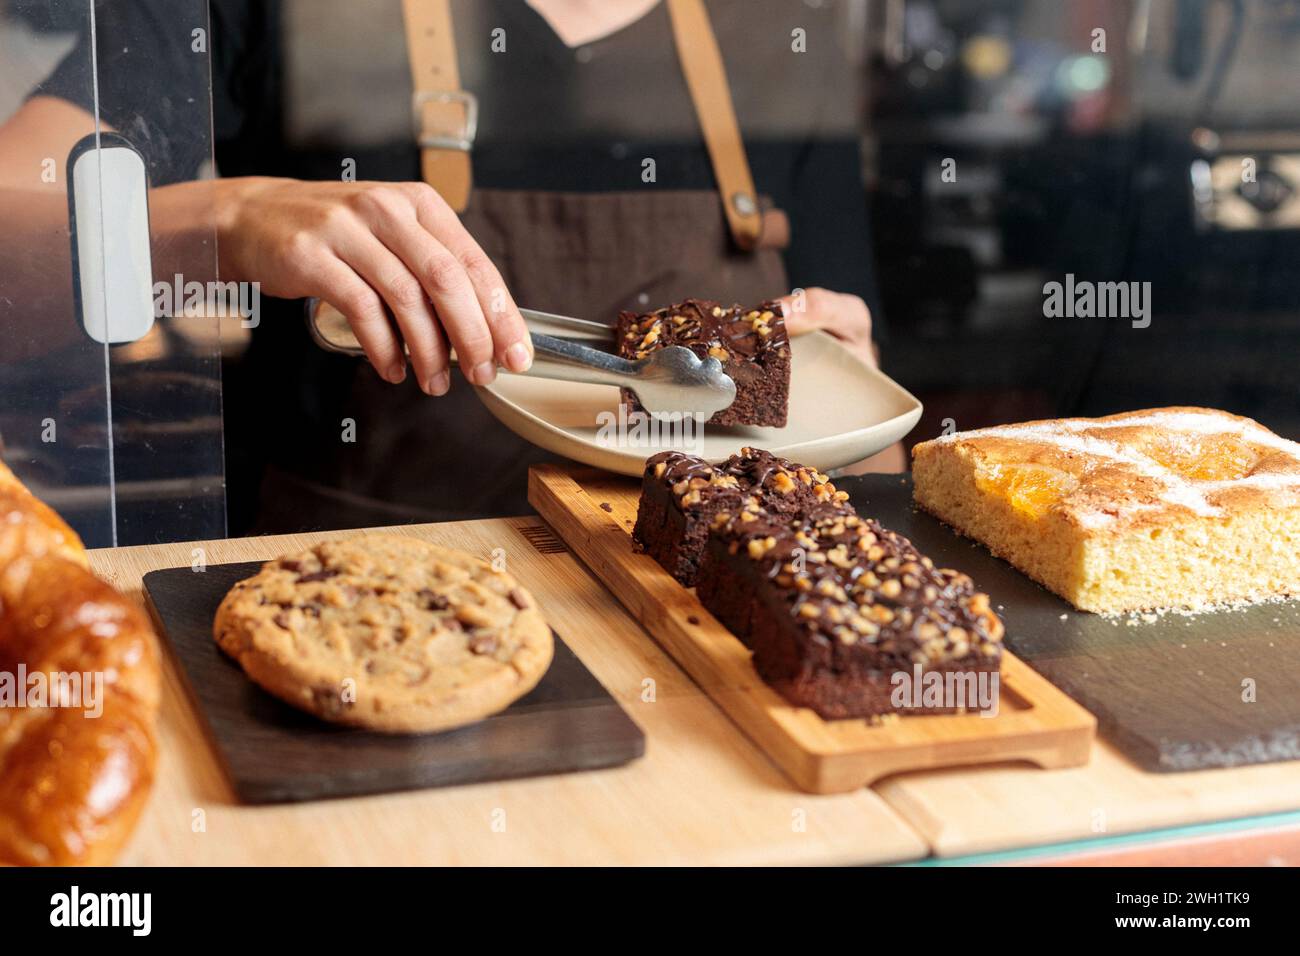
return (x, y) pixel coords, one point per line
(1079, 436)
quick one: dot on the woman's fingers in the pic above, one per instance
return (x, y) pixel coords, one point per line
(807, 310)
(350, 294)
(428, 273)
(511, 343)
(461, 315)
(844, 316)
(405, 296)
(362, 246)
(442, 277)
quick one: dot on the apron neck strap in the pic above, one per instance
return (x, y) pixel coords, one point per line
(706, 77)
(439, 105)
(446, 117)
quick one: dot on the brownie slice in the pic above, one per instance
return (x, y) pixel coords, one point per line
(681, 494)
(833, 605)
(752, 345)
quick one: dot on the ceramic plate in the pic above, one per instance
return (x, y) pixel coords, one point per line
(841, 411)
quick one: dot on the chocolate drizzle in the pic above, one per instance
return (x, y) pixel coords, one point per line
(701, 325)
(776, 483)
(677, 466)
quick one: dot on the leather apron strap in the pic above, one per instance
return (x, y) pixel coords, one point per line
(439, 104)
(706, 77)
(445, 116)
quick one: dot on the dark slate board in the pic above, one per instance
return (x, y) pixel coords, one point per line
(273, 753)
(1167, 693)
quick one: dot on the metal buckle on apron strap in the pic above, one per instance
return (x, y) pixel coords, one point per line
(469, 130)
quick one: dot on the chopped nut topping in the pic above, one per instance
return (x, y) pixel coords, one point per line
(782, 483)
(839, 556)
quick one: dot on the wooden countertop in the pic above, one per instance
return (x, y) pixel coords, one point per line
(977, 810)
(701, 795)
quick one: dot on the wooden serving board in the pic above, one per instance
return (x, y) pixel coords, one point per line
(594, 512)
(274, 753)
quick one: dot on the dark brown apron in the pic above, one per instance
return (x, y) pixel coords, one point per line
(416, 458)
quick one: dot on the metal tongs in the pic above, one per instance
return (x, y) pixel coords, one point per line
(671, 380)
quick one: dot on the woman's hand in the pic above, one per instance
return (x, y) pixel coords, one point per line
(362, 246)
(848, 319)
(844, 316)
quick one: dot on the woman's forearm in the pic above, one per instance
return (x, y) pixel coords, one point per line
(36, 310)
(394, 257)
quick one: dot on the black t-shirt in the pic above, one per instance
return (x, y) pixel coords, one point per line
(154, 78)
(537, 130)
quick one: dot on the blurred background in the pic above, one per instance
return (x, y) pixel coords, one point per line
(1004, 144)
(1117, 166)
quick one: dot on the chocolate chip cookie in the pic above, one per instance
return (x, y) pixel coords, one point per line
(389, 633)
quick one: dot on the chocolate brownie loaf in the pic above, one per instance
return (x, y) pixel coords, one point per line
(680, 494)
(752, 345)
(833, 605)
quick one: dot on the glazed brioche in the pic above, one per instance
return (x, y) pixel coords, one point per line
(74, 774)
(31, 528)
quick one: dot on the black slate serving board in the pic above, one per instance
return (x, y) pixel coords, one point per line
(273, 753)
(1167, 692)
